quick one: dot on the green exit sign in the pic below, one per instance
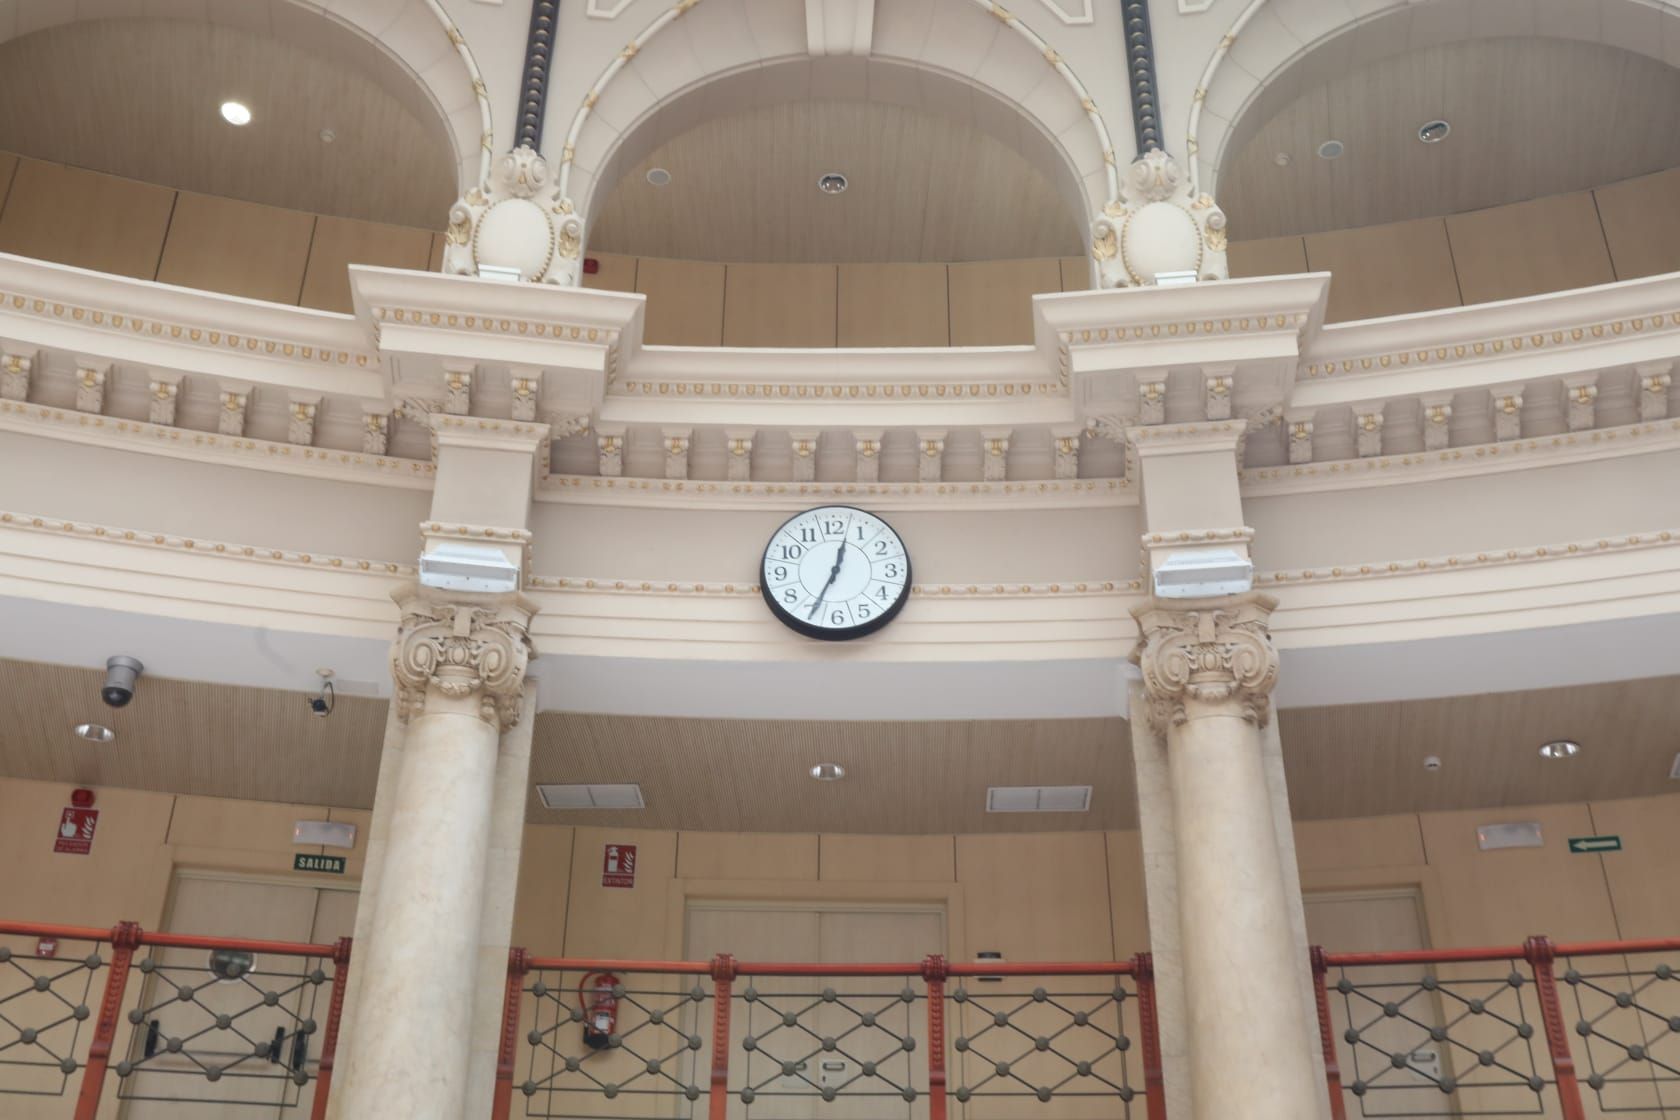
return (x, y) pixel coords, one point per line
(332, 865)
(1583, 845)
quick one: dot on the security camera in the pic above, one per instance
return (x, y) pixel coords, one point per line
(322, 705)
(121, 673)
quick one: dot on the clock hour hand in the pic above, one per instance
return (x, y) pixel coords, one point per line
(839, 559)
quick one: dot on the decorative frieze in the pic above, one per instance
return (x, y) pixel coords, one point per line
(1152, 401)
(14, 376)
(1298, 430)
(738, 442)
(1216, 394)
(1580, 395)
(930, 458)
(90, 386)
(675, 441)
(1368, 428)
(1158, 225)
(300, 419)
(163, 390)
(376, 430)
(1654, 381)
(1436, 420)
(1066, 441)
(994, 462)
(1200, 656)
(461, 657)
(457, 389)
(1507, 416)
(231, 419)
(609, 449)
(525, 388)
(804, 447)
(867, 446)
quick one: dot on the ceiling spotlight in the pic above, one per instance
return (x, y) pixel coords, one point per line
(236, 113)
(659, 177)
(328, 136)
(832, 183)
(828, 771)
(1561, 748)
(1330, 149)
(1432, 763)
(1434, 132)
(1281, 159)
(95, 732)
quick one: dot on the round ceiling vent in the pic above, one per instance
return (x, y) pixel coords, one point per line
(95, 732)
(1330, 149)
(659, 177)
(1434, 132)
(828, 771)
(832, 183)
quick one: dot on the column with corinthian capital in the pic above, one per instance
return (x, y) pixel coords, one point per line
(459, 667)
(1208, 669)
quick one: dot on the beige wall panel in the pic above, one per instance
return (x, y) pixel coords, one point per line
(72, 216)
(341, 242)
(1362, 842)
(435, 261)
(1501, 897)
(1641, 222)
(124, 878)
(1385, 270)
(893, 305)
(991, 301)
(1269, 256)
(685, 302)
(246, 249)
(1529, 247)
(779, 305)
(8, 168)
(617, 273)
(746, 855)
(1076, 274)
(1126, 895)
(1644, 876)
(622, 922)
(540, 904)
(256, 836)
(1036, 896)
(889, 859)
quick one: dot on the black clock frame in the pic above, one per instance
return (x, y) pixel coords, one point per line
(830, 634)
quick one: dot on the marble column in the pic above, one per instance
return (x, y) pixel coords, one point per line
(459, 668)
(1208, 669)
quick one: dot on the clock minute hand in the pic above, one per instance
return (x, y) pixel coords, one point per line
(839, 559)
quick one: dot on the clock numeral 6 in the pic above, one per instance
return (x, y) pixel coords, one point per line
(837, 618)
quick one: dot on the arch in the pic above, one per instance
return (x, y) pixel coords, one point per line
(1261, 57)
(414, 37)
(957, 55)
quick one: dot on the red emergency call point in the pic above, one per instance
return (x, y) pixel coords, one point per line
(46, 947)
(591, 266)
(82, 798)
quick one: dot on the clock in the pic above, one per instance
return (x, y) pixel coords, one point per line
(835, 572)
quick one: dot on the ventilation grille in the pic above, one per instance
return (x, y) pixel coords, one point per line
(1038, 799)
(592, 797)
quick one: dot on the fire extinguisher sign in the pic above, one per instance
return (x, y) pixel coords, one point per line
(75, 831)
(618, 866)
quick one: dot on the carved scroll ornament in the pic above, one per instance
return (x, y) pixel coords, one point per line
(461, 653)
(1207, 653)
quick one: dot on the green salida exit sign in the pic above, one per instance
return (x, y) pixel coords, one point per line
(1583, 845)
(331, 865)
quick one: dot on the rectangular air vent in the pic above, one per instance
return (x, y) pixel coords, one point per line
(1038, 799)
(595, 796)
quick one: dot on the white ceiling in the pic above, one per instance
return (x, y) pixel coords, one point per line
(1530, 117)
(139, 98)
(924, 186)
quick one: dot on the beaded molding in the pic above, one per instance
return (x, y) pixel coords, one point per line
(1459, 561)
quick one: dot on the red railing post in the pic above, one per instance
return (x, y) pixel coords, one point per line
(1540, 954)
(723, 978)
(1149, 1025)
(934, 970)
(125, 938)
(508, 1051)
(1326, 1036)
(329, 1042)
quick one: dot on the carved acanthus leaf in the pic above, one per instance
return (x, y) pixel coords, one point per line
(1207, 653)
(459, 652)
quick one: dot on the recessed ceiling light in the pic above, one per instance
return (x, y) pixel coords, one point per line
(1434, 132)
(659, 177)
(95, 732)
(328, 136)
(1561, 748)
(1281, 159)
(828, 771)
(1330, 149)
(832, 183)
(235, 113)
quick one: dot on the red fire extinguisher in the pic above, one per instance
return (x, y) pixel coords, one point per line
(598, 994)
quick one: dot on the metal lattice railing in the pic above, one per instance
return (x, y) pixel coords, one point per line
(1626, 1013)
(45, 1008)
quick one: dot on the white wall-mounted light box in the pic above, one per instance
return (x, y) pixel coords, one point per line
(329, 834)
(1517, 834)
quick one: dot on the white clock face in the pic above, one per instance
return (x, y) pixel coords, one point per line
(836, 572)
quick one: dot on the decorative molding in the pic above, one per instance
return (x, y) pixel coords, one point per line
(675, 442)
(930, 457)
(1507, 416)
(90, 386)
(457, 388)
(1580, 394)
(1066, 441)
(1152, 400)
(14, 375)
(1654, 379)
(804, 447)
(163, 391)
(1383, 569)
(738, 444)
(1159, 223)
(606, 9)
(994, 448)
(852, 391)
(1368, 429)
(230, 420)
(1216, 392)
(526, 385)
(1092, 493)
(867, 444)
(1060, 588)
(1205, 655)
(1074, 14)
(519, 220)
(376, 430)
(1299, 432)
(609, 449)
(461, 657)
(1140, 70)
(1436, 419)
(539, 54)
(300, 419)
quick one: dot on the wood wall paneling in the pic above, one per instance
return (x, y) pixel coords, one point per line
(341, 242)
(541, 901)
(243, 248)
(8, 168)
(1128, 902)
(1268, 256)
(1359, 842)
(1526, 248)
(893, 305)
(1641, 221)
(746, 855)
(1041, 895)
(1076, 274)
(615, 273)
(685, 302)
(620, 922)
(1385, 270)
(435, 261)
(1644, 877)
(83, 218)
(888, 859)
(780, 305)
(991, 301)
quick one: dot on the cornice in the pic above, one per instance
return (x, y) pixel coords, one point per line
(211, 447)
(1154, 441)
(1461, 462)
(575, 585)
(1462, 561)
(765, 374)
(657, 493)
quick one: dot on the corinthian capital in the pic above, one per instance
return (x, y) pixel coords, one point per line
(462, 657)
(1207, 652)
